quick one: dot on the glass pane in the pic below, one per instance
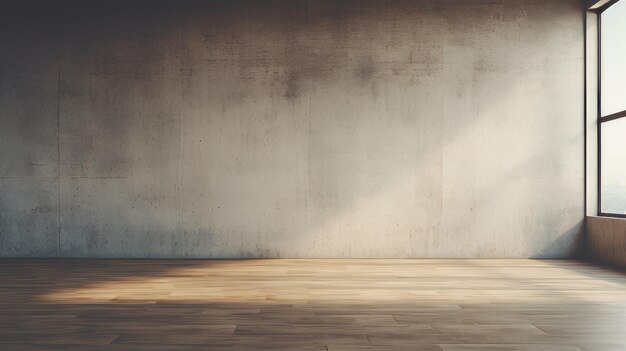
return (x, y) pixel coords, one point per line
(614, 166)
(614, 58)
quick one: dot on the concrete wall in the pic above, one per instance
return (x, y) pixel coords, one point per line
(291, 128)
(606, 240)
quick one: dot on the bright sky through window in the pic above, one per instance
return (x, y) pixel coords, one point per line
(613, 100)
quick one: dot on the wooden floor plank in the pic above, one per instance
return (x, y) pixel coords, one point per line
(429, 305)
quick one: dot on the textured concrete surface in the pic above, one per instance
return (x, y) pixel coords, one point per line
(606, 240)
(291, 128)
(29, 167)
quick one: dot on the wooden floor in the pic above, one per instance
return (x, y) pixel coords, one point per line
(311, 305)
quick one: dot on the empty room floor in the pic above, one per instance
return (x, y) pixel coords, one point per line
(311, 305)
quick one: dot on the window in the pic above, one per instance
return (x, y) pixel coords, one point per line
(612, 110)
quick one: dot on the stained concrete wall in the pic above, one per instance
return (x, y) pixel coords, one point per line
(291, 128)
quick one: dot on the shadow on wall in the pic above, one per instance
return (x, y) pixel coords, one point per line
(315, 129)
(570, 244)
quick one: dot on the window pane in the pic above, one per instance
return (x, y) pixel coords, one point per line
(614, 58)
(614, 166)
